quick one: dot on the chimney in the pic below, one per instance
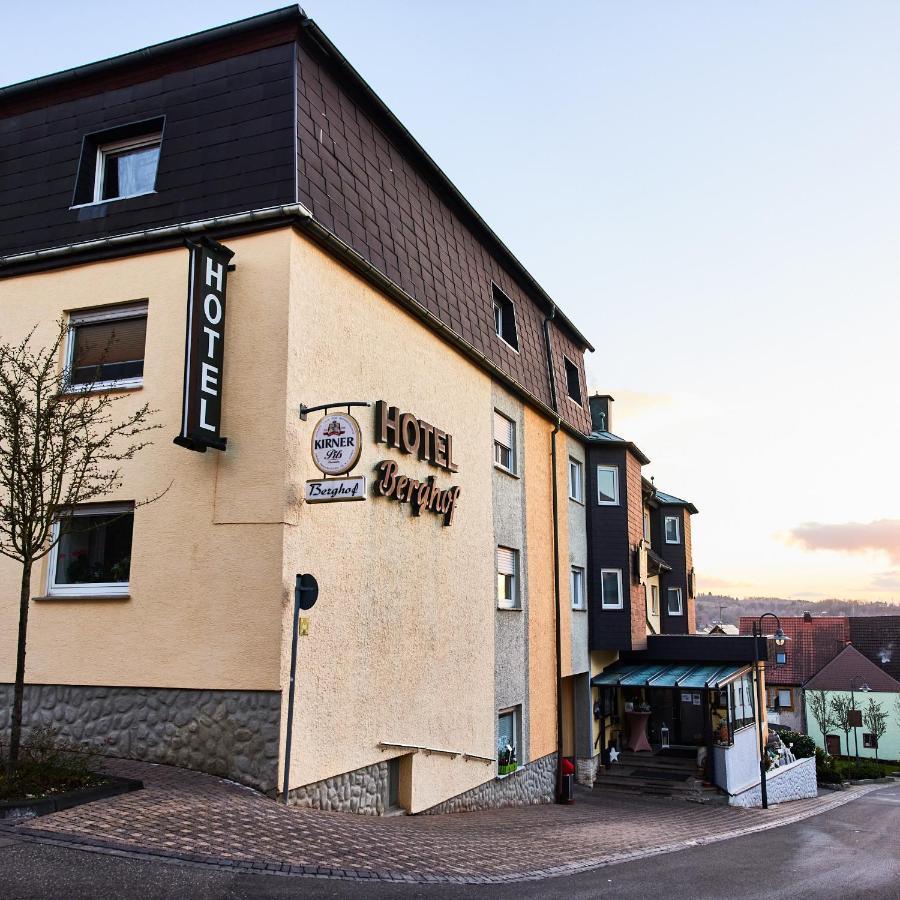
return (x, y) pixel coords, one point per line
(600, 412)
(807, 617)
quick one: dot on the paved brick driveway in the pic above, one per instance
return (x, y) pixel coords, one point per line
(197, 818)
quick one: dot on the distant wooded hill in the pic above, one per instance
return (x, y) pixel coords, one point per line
(735, 607)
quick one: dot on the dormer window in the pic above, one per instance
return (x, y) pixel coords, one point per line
(505, 318)
(126, 168)
(573, 382)
(119, 163)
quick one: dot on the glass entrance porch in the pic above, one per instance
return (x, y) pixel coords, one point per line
(675, 706)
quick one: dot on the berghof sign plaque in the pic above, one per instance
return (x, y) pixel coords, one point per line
(204, 355)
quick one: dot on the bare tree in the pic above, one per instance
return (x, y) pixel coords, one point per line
(60, 445)
(841, 706)
(876, 721)
(818, 706)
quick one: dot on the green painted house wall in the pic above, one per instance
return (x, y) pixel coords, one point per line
(888, 746)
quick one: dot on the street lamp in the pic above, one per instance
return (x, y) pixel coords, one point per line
(863, 687)
(780, 638)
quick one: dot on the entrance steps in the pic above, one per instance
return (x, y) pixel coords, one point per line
(657, 775)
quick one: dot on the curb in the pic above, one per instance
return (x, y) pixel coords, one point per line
(261, 867)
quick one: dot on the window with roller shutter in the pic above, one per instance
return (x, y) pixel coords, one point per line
(105, 348)
(504, 443)
(507, 578)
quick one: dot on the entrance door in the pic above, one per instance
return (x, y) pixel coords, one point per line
(690, 708)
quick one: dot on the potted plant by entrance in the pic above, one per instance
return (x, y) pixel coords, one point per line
(506, 759)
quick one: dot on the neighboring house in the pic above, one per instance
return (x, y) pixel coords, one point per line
(812, 642)
(851, 675)
(651, 672)
(878, 639)
(720, 628)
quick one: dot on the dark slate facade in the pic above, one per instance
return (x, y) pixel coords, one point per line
(676, 557)
(227, 146)
(267, 113)
(613, 534)
(359, 176)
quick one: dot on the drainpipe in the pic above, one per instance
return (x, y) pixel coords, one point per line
(555, 502)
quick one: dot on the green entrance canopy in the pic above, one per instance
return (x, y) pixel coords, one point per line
(658, 675)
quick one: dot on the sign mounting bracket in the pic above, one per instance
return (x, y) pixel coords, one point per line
(306, 410)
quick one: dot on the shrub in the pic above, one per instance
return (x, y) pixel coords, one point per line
(801, 745)
(48, 764)
(826, 772)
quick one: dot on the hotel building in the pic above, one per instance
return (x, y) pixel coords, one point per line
(343, 267)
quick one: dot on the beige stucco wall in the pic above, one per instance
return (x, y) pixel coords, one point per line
(541, 613)
(206, 597)
(401, 642)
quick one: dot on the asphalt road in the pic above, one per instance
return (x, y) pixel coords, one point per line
(850, 852)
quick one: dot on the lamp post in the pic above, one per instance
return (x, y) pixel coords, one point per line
(780, 638)
(863, 687)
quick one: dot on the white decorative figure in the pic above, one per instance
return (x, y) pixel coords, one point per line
(613, 755)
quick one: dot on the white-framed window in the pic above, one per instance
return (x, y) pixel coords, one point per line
(105, 347)
(785, 699)
(93, 554)
(576, 480)
(780, 658)
(127, 168)
(504, 318)
(608, 485)
(675, 606)
(504, 442)
(507, 578)
(509, 734)
(647, 526)
(673, 530)
(611, 588)
(654, 599)
(577, 587)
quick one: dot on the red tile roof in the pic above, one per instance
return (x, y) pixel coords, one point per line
(812, 644)
(878, 639)
(850, 664)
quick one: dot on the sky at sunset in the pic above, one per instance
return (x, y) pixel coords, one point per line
(711, 190)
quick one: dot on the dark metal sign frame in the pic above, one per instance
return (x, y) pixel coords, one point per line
(204, 353)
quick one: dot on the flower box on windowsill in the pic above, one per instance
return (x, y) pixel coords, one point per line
(507, 769)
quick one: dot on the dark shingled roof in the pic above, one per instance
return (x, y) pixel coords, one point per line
(672, 500)
(607, 437)
(848, 665)
(878, 639)
(812, 644)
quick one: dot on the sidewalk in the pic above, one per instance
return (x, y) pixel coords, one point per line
(188, 817)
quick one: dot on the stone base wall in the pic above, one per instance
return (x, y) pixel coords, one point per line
(233, 734)
(795, 781)
(362, 791)
(586, 770)
(534, 783)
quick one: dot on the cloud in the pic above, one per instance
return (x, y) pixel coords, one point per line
(851, 537)
(711, 583)
(886, 581)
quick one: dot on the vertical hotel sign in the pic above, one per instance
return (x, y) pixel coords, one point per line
(201, 416)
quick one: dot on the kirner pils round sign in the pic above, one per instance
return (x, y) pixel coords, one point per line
(336, 443)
